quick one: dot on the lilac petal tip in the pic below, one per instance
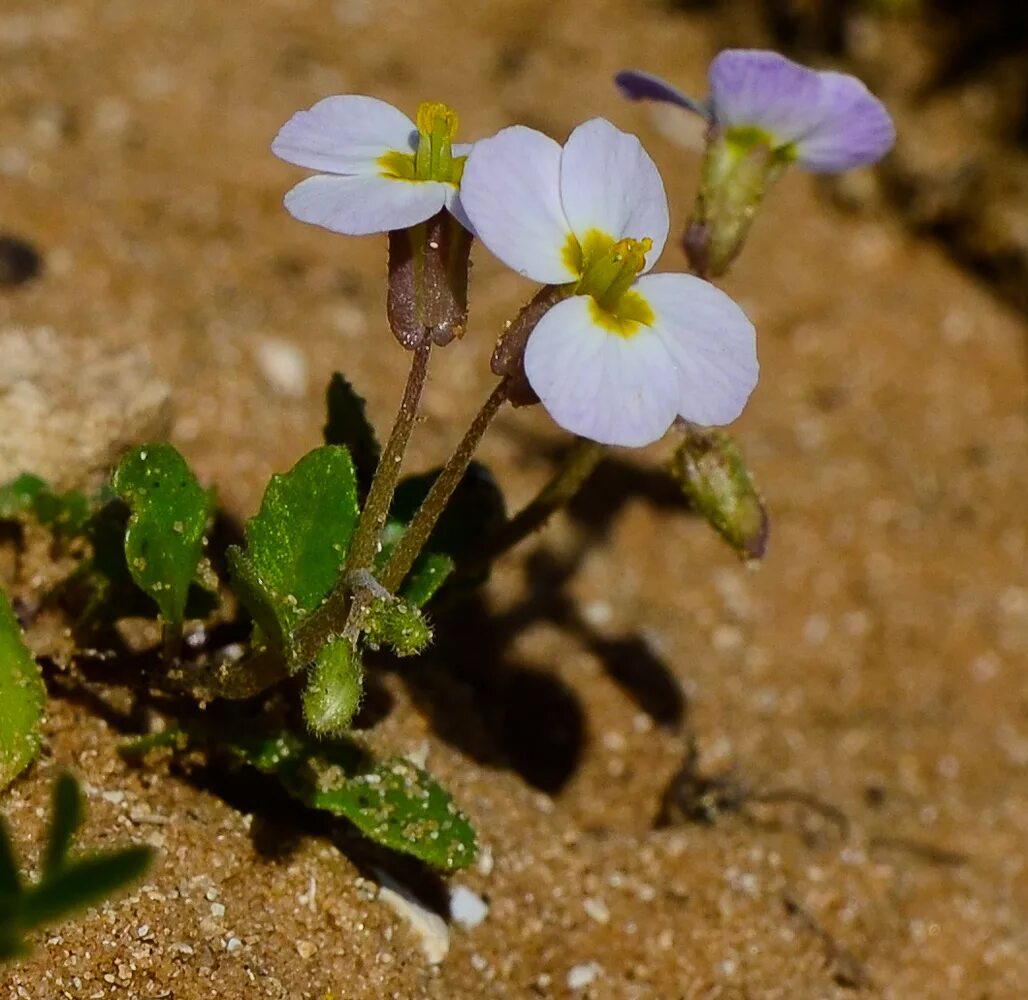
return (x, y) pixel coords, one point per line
(636, 85)
(832, 119)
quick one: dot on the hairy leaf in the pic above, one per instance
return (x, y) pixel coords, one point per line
(347, 424)
(165, 534)
(393, 802)
(22, 698)
(298, 540)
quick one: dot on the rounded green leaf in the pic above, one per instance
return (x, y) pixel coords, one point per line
(298, 540)
(165, 533)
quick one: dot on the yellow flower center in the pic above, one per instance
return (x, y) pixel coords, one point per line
(745, 138)
(433, 160)
(607, 270)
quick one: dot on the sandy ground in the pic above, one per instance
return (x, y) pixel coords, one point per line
(865, 685)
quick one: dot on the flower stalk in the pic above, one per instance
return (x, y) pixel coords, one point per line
(420, 528)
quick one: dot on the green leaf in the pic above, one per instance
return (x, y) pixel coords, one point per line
(165, 534)
(297, 542)
(393, 802)
(22, 698)
(18, 497)
(82, 883)
(29, 496)
(427, 575)
(475, 510)
(347, 424)
(66, 818)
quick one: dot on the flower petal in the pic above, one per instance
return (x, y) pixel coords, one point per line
(832, 118)
(711, 343)
(765, 90)
(345, 135)
(854, 128)
(511, 193)
(358, 206)
(639, 86)
(593, 382)
(608, 182)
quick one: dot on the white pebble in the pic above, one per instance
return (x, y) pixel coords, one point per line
(467, 908)
(283, 365)
(428, 925)
(580, 976)
(597, 909)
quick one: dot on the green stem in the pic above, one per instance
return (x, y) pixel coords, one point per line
(414, 538)
(332, 617)
(576, 467)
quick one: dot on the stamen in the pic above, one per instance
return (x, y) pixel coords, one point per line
(437, 126)
(609, 277)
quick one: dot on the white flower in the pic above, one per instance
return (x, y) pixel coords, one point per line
(380, 171)
(623, 355)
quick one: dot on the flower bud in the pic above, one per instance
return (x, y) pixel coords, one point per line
(739, 167)
(334, 689)
(428, 281)
(713, 476)
(396, 623)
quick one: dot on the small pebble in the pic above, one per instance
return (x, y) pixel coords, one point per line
(283, 365)
(580, 976)
(467, 908)
(597, 910)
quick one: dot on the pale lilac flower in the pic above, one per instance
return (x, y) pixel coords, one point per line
(827, 122)
(621, 356)
(379, 171)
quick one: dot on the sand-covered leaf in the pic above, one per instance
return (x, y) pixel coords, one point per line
(347, 424)
(22, 698)
(165, 533)
(393, 802)
(298, 540)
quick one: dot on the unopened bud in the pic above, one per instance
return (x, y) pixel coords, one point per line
(739, 167)
(428, 281)
(394, 622)
(710, 469)
(334, 689)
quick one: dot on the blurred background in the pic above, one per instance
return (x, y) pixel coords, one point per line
(691, 778)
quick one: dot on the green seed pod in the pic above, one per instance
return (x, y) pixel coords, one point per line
(334, 689)
(713, 475)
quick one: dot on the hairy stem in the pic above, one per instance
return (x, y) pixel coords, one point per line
(376, 508)
(414, 538)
